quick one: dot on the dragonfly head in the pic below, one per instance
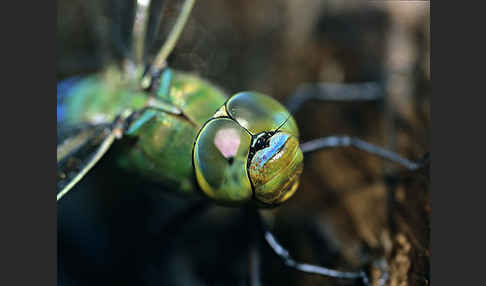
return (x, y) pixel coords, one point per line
(249, 151)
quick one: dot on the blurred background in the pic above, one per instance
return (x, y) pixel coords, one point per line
(352, 210)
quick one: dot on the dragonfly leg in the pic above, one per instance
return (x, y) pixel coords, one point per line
(254, 264)
(367, 91)
(346, 141)
(164, 52)
(283, 253)
(104, 147)
(254, 255)
(140, 24)
(115, 132)
(72, 143)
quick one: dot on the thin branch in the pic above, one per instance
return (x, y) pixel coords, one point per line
(140, 29)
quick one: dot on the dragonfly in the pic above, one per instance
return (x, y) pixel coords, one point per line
(182, 131)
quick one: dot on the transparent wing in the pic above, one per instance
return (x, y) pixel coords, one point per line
(90, 145)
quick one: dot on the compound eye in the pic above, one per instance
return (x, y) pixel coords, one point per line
(258, 112)
(220, 161)
(275, 169)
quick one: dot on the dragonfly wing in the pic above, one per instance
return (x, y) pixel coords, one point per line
(79, 153)
(76, 138)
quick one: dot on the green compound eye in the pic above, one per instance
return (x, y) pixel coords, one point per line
(220, 161)
(275, 170)
(258, 113)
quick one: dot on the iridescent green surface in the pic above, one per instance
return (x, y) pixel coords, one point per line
(257, 113)
(173, 127)
(220, 160)
(268, 161)
(101, 97)
(197, 98)
(163, 141)
(275, 170)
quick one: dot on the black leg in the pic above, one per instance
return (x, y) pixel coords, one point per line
(304, 267)
(254, 257)
(367, 91)
(345, 141)
(66, 184)
(254, 263)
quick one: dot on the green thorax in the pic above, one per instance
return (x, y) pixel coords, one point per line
(159, 144)
(100, 98)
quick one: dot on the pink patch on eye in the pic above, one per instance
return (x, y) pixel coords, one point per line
(227, 141)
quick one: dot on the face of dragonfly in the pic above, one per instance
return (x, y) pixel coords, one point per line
(248, 151)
